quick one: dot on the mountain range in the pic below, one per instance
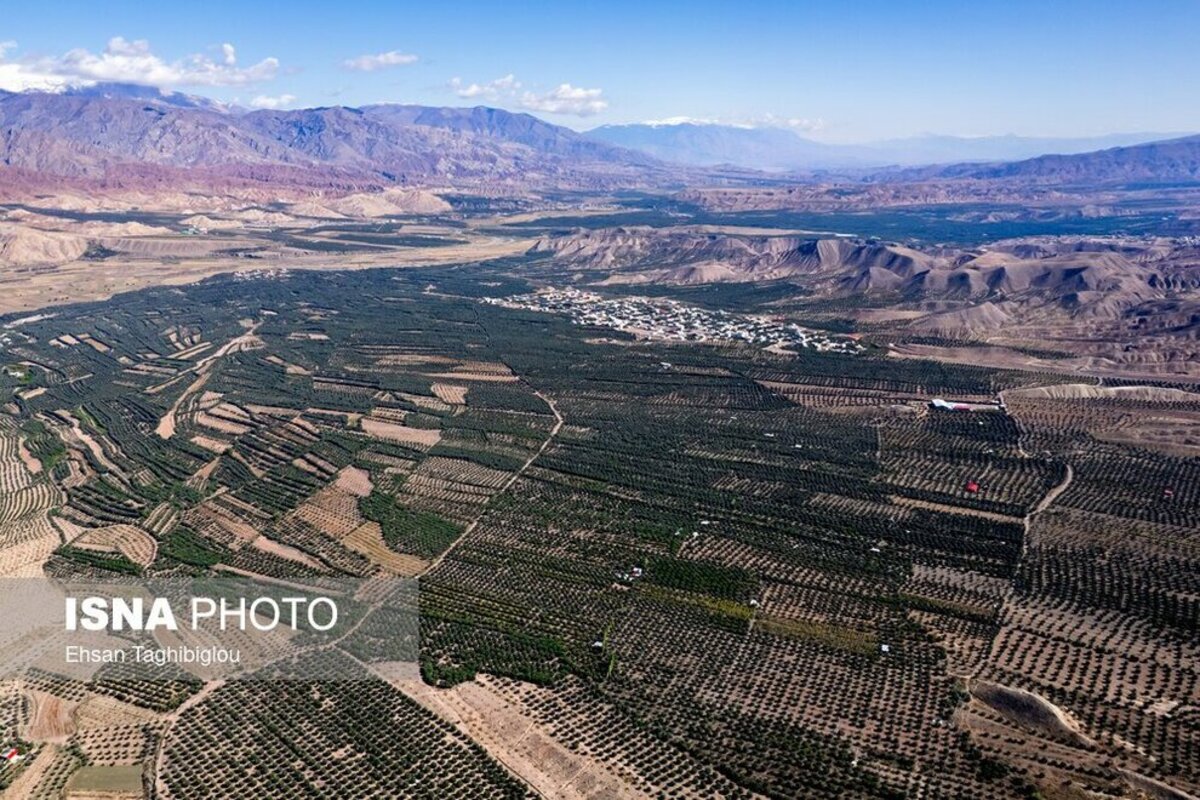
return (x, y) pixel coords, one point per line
(138, 135)
(952, 291)
(1160, 161)
(782, 150)
(135, 137)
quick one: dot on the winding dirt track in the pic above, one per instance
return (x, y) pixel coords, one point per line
(1053, 494)
(203, 368)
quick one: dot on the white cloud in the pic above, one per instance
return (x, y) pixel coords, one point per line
(16, 77)
(765, 121)
(563, 99)
(268, 102)
(566, 99)
(501, 87)
(372, 62)
(669, 121)
(817, 124)
(131, 62)
(123, 60)
(802, 124)
(807, 125)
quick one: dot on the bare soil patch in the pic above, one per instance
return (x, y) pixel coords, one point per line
(209, 443)
(367, 540)
(408, 359)
(525, 748)
(130, 541)
(449, 393)
(281, 550)
(27, 458)
(355, 481)
(1030, 710)
(946, 508)
(493, 377)
(51, 718)
(221, 424)
(401, 433)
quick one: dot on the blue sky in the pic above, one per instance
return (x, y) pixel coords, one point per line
(837, 71)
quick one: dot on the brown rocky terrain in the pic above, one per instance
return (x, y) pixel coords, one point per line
(1134, 302)
(1088, 277)
(1167, 161)
(79, 246)
(965, 198)
(130, 140)
(104, 191)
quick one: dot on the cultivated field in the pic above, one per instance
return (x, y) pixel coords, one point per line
(646, 569)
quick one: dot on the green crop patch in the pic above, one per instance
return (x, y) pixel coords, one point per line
(848, 639)
(420, 532)
(185, 545)
(106, 562)
(728, 583)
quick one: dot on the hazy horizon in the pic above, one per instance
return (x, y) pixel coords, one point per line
(758, 125)
(871, 72)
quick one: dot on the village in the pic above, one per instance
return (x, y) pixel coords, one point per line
(663, 319)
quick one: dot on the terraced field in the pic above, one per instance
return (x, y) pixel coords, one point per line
(646, 569)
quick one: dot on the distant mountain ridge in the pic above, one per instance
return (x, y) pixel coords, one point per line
(123, 133)
(129, 136)
(783, 150)
(1161, 161)
(704, 145)
(1000, 284)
